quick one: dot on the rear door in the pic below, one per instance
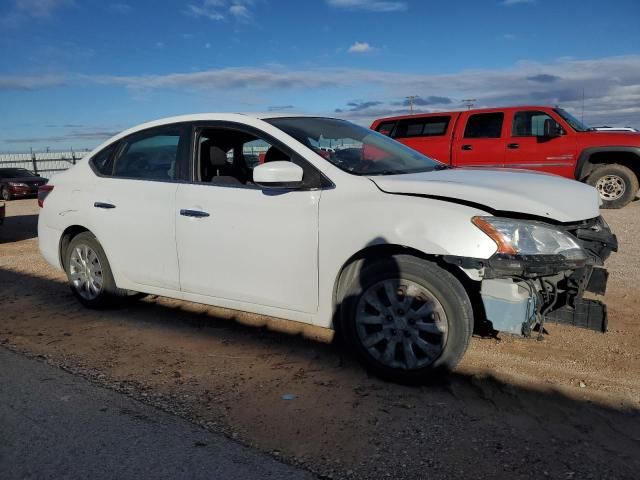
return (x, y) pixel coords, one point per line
(427, 135)
(528, 148)
(480, 140)
(133, 205)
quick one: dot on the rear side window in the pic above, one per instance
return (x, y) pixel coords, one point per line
(422, 127)
(103, 160)
(484, 125)
(386, 128)
(529, 124)
(150, 156)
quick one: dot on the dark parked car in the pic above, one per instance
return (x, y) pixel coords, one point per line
(19, 182)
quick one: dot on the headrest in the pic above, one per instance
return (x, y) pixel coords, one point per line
(217, 157)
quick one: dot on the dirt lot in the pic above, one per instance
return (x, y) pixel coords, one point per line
(568, 407)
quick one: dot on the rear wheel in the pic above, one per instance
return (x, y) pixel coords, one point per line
(616, 184)
(89, 273)
(406, 318)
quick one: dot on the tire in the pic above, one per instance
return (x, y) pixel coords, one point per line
(616, 184)
(425, 338)
(89, 273)
(6, 194)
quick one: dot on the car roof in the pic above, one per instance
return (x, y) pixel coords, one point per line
(456, 112)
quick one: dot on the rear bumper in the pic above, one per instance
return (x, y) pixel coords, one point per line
(49, 244)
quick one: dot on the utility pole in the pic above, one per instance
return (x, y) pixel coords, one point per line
(469, 102)
(411, 98)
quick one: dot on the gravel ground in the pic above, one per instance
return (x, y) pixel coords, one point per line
(568, 407)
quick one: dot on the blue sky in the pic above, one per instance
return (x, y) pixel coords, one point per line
(74, 71)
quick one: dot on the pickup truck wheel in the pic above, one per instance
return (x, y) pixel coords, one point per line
(406, 318)
(89, 273)
(616, 184)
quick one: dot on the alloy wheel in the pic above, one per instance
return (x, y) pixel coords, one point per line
(611, 187)
(85, 272)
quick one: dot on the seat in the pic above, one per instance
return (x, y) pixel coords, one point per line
(215, 168)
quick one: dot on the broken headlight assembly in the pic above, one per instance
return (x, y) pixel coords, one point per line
(530, 248)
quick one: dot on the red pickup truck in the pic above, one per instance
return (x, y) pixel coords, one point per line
(546, 139)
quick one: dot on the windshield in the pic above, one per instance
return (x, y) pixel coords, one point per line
(355, 149)
(15, 173)
(576, 124)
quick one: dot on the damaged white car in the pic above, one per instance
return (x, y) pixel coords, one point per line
(320, 221)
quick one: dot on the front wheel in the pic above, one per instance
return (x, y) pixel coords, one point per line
(406, 318)
(616, 184)
(89, 273)
(6, 194)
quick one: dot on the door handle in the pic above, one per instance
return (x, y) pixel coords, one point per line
(467, 147)
(106, 206)
(513, 146)
(193, 213)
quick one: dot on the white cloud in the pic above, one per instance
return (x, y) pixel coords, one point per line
(370, 5)
(360, 47)
(239, 11)
(30, 82)
(517, 2)
(22, 10)
(220, 9)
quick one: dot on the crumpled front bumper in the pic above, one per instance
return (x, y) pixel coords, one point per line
(520, 293)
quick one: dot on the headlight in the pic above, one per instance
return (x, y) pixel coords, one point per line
(18, 184)
(521, 237)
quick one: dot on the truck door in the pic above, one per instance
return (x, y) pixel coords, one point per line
(527, 146)
(480, 140)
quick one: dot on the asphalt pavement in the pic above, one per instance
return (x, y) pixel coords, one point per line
(57, 425)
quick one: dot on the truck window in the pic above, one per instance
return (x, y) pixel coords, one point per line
(386, 128)
(422, 127)
(529, 123)
(484, 125)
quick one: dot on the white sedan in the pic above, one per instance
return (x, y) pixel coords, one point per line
(400, 253)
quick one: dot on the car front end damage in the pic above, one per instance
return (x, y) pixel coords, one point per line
(542, 276)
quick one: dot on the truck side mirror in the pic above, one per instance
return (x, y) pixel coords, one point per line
(551, 128)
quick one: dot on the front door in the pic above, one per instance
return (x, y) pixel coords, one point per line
(239, 242)
(528, 148)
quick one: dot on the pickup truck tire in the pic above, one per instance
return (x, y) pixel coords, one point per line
(616, 184)
(89, 273)
(406, 319)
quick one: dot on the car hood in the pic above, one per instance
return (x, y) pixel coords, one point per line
(503, 190)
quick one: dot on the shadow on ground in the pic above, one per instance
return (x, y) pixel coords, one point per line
(17, 228)
(296, 399)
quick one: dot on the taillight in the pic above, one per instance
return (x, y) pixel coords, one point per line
(43, 191)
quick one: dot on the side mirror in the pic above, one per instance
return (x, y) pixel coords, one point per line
(278, 174)
(551, 128)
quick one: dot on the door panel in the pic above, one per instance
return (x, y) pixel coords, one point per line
(138, 230)
(255, 246)
(481, 140)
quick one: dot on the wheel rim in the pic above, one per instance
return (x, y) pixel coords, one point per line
(401, 324)
(85, 272)
(611, 187)
(5, 194)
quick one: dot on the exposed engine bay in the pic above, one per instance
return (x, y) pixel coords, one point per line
(520, 293)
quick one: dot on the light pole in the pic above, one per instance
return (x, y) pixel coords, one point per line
(469, 102)
(411, 98)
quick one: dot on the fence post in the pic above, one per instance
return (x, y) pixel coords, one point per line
(35, 164)
(73, 157)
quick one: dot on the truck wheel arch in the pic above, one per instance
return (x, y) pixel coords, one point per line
(590, 158)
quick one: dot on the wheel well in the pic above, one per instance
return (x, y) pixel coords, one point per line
(627, 159)
(387, 250)
(65, 240)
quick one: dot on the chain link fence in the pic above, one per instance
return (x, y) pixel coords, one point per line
(43, 163)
